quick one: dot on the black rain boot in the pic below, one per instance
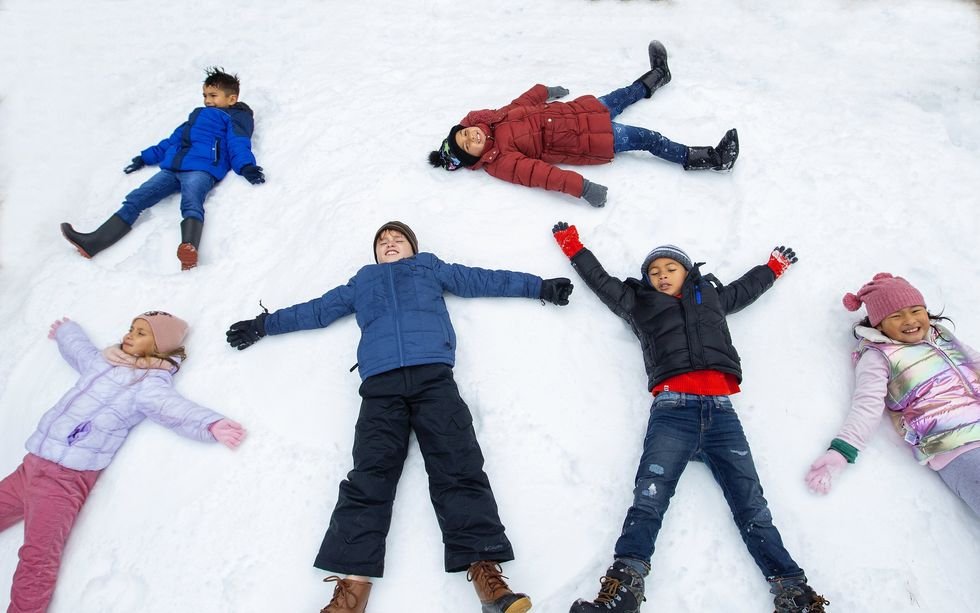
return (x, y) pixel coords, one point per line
(621, 592)
(720, 158)
(106, 235)
(190, 240)
(659, 74)
(795, 596)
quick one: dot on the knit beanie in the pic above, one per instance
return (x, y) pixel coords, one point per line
(666, 251)
(397, 226)
(450, 155)
(882, 296)
(168, 331)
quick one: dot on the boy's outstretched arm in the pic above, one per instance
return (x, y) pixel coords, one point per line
(744, 291)
(615, 294)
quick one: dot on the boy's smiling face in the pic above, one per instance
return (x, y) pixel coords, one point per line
(472, 140)
(218, 98)
(666, 275)
(392, 246)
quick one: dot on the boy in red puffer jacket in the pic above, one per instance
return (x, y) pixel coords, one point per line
(522, 141)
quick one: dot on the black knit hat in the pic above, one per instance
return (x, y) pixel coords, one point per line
(397, 226)
(450, 156)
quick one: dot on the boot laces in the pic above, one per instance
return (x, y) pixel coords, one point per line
(800, 600)
(488, 574)
(609, 587)
(342, 595)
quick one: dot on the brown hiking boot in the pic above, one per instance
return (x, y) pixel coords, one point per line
(492, 590)
(350, 596)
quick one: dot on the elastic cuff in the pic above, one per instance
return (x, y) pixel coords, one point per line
(844, 448)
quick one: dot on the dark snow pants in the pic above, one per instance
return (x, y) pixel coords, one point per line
(424, 399)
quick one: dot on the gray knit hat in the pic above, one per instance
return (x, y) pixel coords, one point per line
(666, 251)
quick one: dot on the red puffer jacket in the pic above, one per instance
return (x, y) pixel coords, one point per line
(529, 135)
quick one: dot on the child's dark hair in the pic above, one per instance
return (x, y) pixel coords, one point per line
(217, 77)
(866, 322)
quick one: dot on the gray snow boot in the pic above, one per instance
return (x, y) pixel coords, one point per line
(659, 73)
(621, 592)
(106, 235)
(720, 159)
(795, 596)
(190, 240)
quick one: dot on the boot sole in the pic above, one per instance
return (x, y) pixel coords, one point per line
(521, 605)
(76, 246)
(187, 255)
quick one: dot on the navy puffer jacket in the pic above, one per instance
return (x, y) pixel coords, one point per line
(400, 309)
(213, 140)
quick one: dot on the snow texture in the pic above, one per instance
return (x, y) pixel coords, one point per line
(860, 148)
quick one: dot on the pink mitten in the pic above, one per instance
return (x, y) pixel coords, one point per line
(227, 432)
(823, 471)
(57, 324)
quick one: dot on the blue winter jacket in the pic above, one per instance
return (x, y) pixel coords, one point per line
(213, 140)
(400, 309)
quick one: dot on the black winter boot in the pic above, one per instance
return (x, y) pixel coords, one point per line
(190, 240)
(106, 235)
(659, 74)
(795, 596)
(621, 592)
(720, 158)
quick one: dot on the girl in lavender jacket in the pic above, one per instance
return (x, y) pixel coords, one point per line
(927, 381)
(118, 388)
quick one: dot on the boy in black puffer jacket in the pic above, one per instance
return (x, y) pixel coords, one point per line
(692, 368)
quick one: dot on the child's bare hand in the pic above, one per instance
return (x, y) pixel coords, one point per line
(57, 324)
(227, 432)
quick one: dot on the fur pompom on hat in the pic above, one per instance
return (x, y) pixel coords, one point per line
(449, 155)
(168, 331)
(882, 296)
(665, 251)
(397, 226)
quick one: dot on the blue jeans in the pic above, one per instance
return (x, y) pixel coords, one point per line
(685, 427)
(632, 138)
(193, 186)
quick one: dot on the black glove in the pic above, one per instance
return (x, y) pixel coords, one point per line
(556, 92)
(244, 334)
(594, 194)
(253, 174)
(556, 291)
(136, 163)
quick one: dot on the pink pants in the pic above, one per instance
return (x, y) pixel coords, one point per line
(48, 497)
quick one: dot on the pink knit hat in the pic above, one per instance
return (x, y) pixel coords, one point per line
(884, 295)
(168, 331)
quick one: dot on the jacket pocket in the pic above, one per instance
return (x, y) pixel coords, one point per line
(216, 152)
(80, 432)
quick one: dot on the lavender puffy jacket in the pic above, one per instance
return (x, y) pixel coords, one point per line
(87, 426)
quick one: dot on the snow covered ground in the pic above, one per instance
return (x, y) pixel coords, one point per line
(860, 148)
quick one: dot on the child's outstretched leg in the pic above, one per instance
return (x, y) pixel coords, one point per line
(659, 73)
(194, 188)
(105, 236)
(721, 158)
(632, 138)
(53, 496)
(962, 475)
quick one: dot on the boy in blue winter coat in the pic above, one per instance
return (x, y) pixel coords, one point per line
(405, 358)
(215, 138)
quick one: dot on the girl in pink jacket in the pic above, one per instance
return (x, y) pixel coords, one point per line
(927, 381)
(118, 387)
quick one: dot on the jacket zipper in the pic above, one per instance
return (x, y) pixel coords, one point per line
(394, 301)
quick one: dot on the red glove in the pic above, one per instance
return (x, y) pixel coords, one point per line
(781, 259)
(567, 238)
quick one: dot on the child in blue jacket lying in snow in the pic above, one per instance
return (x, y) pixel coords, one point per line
(215, 138)
(405, 359)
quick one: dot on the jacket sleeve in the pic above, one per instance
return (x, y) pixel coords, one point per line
(75, 346)
(867, 401)
(160, 402)
(154, 155)
(518, 168)
(317, 313)
(745, 290)
(471, 282)
(538, 94)
(239, 139)
(618, 296)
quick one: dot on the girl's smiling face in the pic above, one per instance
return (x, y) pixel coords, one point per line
(909, 325)
(139, 341)
(472, 140)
